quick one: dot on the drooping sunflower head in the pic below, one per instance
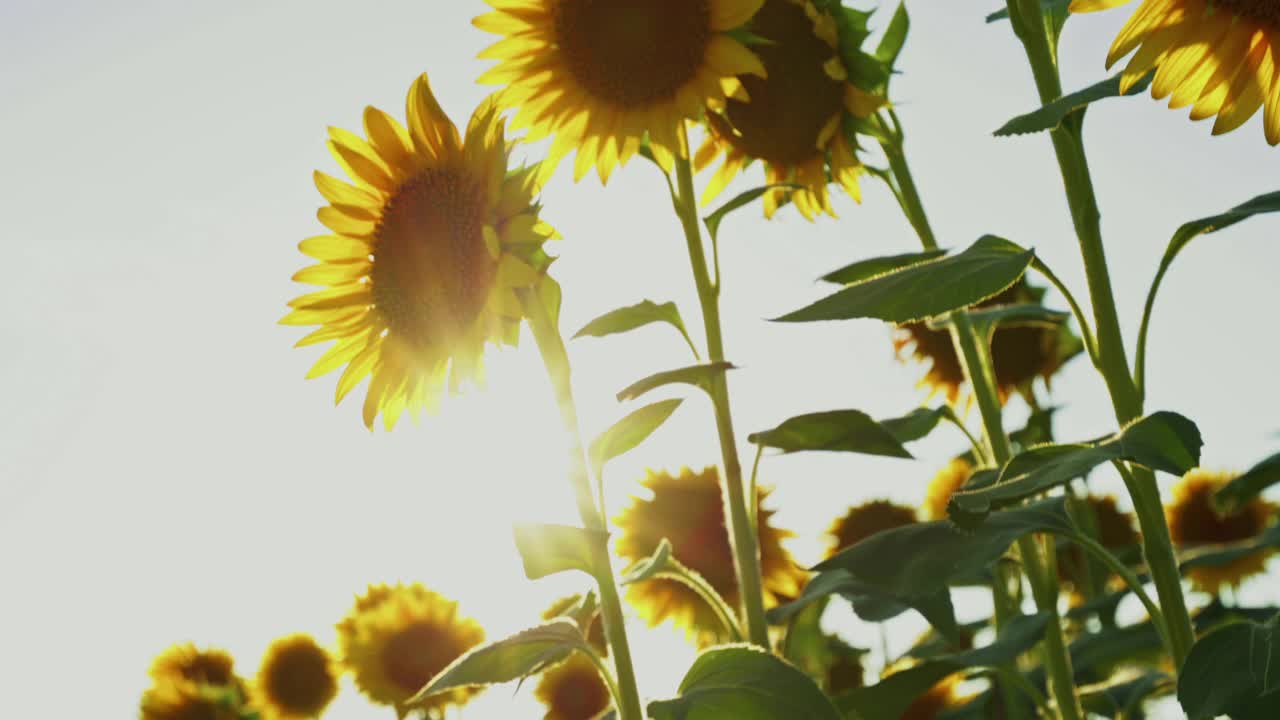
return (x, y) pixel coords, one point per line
(796, 119)
(600, 75)
(573, 690)
(1019, 353)
(431, 242)
(1194, 521)
(193, 684)
(1115, 531)
(1218, 56)
(949, 479)
(398, 644)
(297, 679)
(688, 510)
(863, 521)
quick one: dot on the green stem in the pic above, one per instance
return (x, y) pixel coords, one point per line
(746, 553)
(1068, 144)
(1005, 599)
(975, 358)
(699, 585)
(551, 344)
(908, 194)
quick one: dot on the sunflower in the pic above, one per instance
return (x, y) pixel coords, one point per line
(594, 630)
(573, 690)
(395, 646)
(185, 661)
(1115, 531)
(1193, 521)
(1218, 56)
(793, 119)
(297, 679)
(193, 684)
(1020, 353)
(863, 521)
(688, 510)
(430, 244)
(949, 479)
(601, 74)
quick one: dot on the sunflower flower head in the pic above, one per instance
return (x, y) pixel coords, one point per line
(1217, 56)
(573, 690)
(601, 75)
(1020, 353)
(797, 118)
(1193, 521)
(688, 510)
(431, 241)
(949, 479)
(297, 679)
(863, 521)
(396, 645)
(193, 684)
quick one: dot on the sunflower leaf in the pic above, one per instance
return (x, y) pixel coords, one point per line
(713, 220)
(834, 430)
(918, 423)
(1227, 553)
(1124, 697)
(513, 658)
(866, 269)
(627, 434)
(895, 36)
(549, 549)
(925, 289)
(1051, 116)
(1234, 670)
(889, 698)
(625, 319)
(699, 376)
(1163, 441)
(1017, 315)
(1003, 13)
(741, 682)
(1261, 204)
(1235, 494)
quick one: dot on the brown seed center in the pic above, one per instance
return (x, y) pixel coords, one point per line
(1265, 11)
(415, 654)
(580, 695)
(431, 272)
(633, 53)
(789, 108)
(299, 680)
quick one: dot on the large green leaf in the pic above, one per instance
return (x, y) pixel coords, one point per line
(624, 319)
(1018, 315)
(1233, 670)
(699, 376)
(1162, 441)
(865, 269)
(1268, 203)
(513, 658)
(1051, 116)
(627, 434)
(926, 289)
(918, 423)
(833, 430)
(871, 603)
(889, 698)
(549, 549)
(740, 682)
(1235, 494)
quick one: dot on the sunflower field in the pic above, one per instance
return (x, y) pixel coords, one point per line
(1020, 529)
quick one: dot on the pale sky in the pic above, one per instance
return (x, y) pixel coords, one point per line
(167, 474)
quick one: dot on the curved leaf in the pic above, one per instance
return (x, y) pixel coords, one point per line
(866, 269)
(1051, 116)
(717, 216)
(516, 657)
(895, 36)
(1162, 441)
(624, 319)
(549, 549)
(646, 568)
(926, 289)
(1233, 670)
(699, 376)
(740, 682)
(1235, 494)
(627, 434)
(833, 430)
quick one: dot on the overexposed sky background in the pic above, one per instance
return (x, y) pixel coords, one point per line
(167, 474)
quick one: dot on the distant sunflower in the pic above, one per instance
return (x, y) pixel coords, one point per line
(594, 630)
(600, 74)
(429, 248)
(1020, 353)
(185, 661)
(1193, 521)
(1218, 56)
(297, 679)
(687, 509)
(573, 690)
(364, 606)
(397, 646)
(863, 521)
(194, 684)
(793, 118)
(1115, 531)
(949, 479)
